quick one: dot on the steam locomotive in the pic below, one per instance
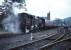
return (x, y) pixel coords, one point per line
(30, 23)
(34, 24)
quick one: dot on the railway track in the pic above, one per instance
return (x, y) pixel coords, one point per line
(21, 40)
(63, 37)
(47, 42)
(40, 40)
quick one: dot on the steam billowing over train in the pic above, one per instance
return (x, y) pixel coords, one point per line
(29, 23)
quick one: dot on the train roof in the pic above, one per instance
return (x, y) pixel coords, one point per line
(26, 14)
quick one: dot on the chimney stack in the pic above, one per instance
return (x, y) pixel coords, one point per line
(48, 15)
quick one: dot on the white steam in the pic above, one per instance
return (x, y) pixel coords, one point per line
(12, 22)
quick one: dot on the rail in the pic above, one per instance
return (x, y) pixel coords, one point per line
(65, 36)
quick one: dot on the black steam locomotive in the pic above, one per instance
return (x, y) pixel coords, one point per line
(29, 22)
(33, 24)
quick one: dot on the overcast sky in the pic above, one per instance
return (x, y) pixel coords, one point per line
(57, 8)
